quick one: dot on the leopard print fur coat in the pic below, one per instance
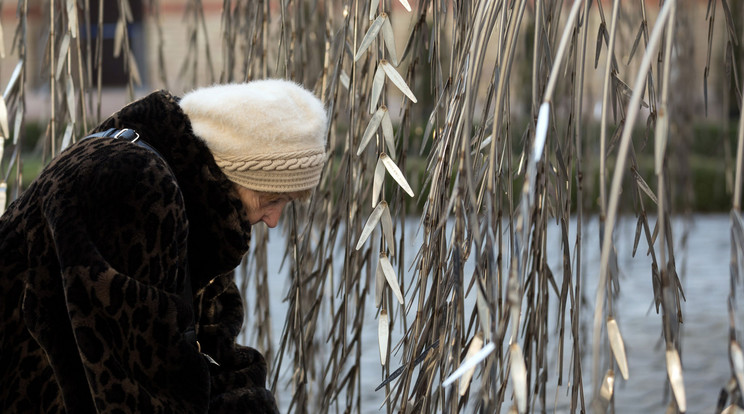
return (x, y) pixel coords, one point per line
(93, 256)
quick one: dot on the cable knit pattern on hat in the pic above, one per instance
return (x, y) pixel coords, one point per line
(266, 135)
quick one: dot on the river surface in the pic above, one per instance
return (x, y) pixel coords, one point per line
(703, 266)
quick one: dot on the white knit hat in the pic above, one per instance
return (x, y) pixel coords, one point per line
(266, 135)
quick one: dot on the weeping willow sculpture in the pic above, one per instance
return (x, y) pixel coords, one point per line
(493, 95)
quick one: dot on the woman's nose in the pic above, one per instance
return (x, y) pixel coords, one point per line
(272, 219)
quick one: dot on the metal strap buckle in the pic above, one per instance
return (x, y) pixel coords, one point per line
(127, 134)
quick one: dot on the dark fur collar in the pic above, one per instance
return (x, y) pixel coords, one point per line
(219, 231)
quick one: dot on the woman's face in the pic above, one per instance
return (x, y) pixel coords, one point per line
(266, 207)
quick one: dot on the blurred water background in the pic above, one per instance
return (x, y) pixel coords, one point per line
(703, 265)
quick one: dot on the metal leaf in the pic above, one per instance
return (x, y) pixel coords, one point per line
(427, 130)
(17, 124)
(372, 221)
(64, 48)
(389, 272)
(118, 36)
(410, 406)
(3, 196)
(3, 118)
(383, 333)
(396, 174)
(387, 132)
(394, 76)
(134, 71)
(373, 8)
(732, 409)
(484, 314)
(374, 28)
(2, 43)
(369, 132)
(674, 370)
(389, 37)
(737, 363)
(72, 13)
(67, 137)
(541, 131)
(486, 142)
(476, 344)
(70, 95)
(387, 229)
(377, 84)
(13, 79)
(377, 181)
(618, 346)
(607, 388)
(405, 4)
(379, 285)
(345, 80)
(466, 365)
(644, 186)
(518, 376)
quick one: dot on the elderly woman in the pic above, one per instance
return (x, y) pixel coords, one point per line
(115, 264)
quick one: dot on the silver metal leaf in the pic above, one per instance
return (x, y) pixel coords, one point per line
(372, 221)
(377, 181)
(17, 124)
(476, 344)
(541, 130)
(732, 409)
(4, 118)
(67, 137)
(660, 141)
(484, 314)
(674, 370)
(72, 13)
(379, 285)
(13, 79)
(118, 37)
(345, 80)
(373, 8)
(469, 363)
(389, 272)
(383, 333)
(387, 132)
(64, 48)
(70, 95)
(518, 376)
(372, 126)
(607, 388)
(428, 129)
(405, 4)
(737, 363)
(389, 37)
(377, 84)
(3, 196)
(134, 71)
(372, 32)
(486, 142)
(618, 346)
(410, 406)
(396, 173)
(2, 43)
(387, 229)
(394, 76)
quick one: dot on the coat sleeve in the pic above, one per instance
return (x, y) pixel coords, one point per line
(121, 246)
(238, 383)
